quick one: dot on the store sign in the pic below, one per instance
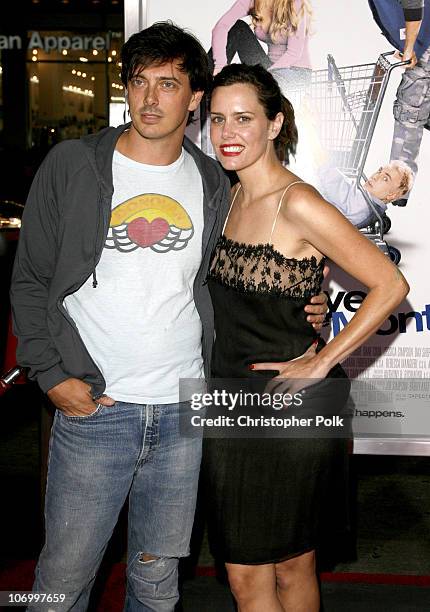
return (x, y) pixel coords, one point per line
(56, 43)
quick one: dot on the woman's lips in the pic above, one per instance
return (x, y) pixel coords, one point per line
(231, 150)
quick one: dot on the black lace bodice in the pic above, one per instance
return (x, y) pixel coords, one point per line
(263, 270)
(259, 296)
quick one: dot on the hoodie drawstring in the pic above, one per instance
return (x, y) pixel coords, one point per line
(95, 283)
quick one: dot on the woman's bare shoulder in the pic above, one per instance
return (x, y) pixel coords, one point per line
(302, 200)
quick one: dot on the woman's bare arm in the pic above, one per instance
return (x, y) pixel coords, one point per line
(327, 230)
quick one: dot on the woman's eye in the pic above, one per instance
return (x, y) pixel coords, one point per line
(216, 119)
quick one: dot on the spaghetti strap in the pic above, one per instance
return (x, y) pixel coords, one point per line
(279, 207)
(231, 206)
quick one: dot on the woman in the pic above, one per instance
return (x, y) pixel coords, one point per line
(282, 24)
(268, 497)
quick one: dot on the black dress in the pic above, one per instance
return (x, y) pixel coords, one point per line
(269, 499)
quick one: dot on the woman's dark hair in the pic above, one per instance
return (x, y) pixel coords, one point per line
(165, 42)
(270, 98)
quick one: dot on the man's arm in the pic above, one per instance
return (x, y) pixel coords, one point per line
(413, 11)
(33, 270)
(317, 307)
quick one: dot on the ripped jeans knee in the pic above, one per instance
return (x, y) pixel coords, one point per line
(154, 579)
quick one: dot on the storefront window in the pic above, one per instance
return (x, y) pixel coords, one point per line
(74, 84)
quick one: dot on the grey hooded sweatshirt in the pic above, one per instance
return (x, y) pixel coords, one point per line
(65, 224)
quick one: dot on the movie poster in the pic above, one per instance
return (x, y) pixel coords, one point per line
(343, 93)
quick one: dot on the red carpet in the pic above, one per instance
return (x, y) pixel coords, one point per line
(18, 576)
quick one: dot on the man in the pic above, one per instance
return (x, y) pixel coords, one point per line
(387, 184)
(409, 32)
(111, 310)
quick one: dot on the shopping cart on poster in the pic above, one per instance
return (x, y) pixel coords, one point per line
(347, 101)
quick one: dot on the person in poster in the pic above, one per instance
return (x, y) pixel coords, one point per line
(385, 185)
(409, 31)
(284, 25)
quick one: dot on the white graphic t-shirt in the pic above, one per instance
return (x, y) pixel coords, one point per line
(140, 324)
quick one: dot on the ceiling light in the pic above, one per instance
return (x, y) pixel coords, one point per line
(83, 59)
(78, 90)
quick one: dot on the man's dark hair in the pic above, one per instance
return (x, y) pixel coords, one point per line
(165, 42)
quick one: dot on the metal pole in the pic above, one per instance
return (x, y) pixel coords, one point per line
(135, 16)
(135, 19)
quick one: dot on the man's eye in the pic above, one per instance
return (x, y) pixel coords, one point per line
(244, 119)
(168, 84)
(137, 82)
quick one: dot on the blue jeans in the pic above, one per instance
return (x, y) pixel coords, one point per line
(95, 462)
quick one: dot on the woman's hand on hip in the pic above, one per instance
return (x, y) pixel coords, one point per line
(295, 374)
